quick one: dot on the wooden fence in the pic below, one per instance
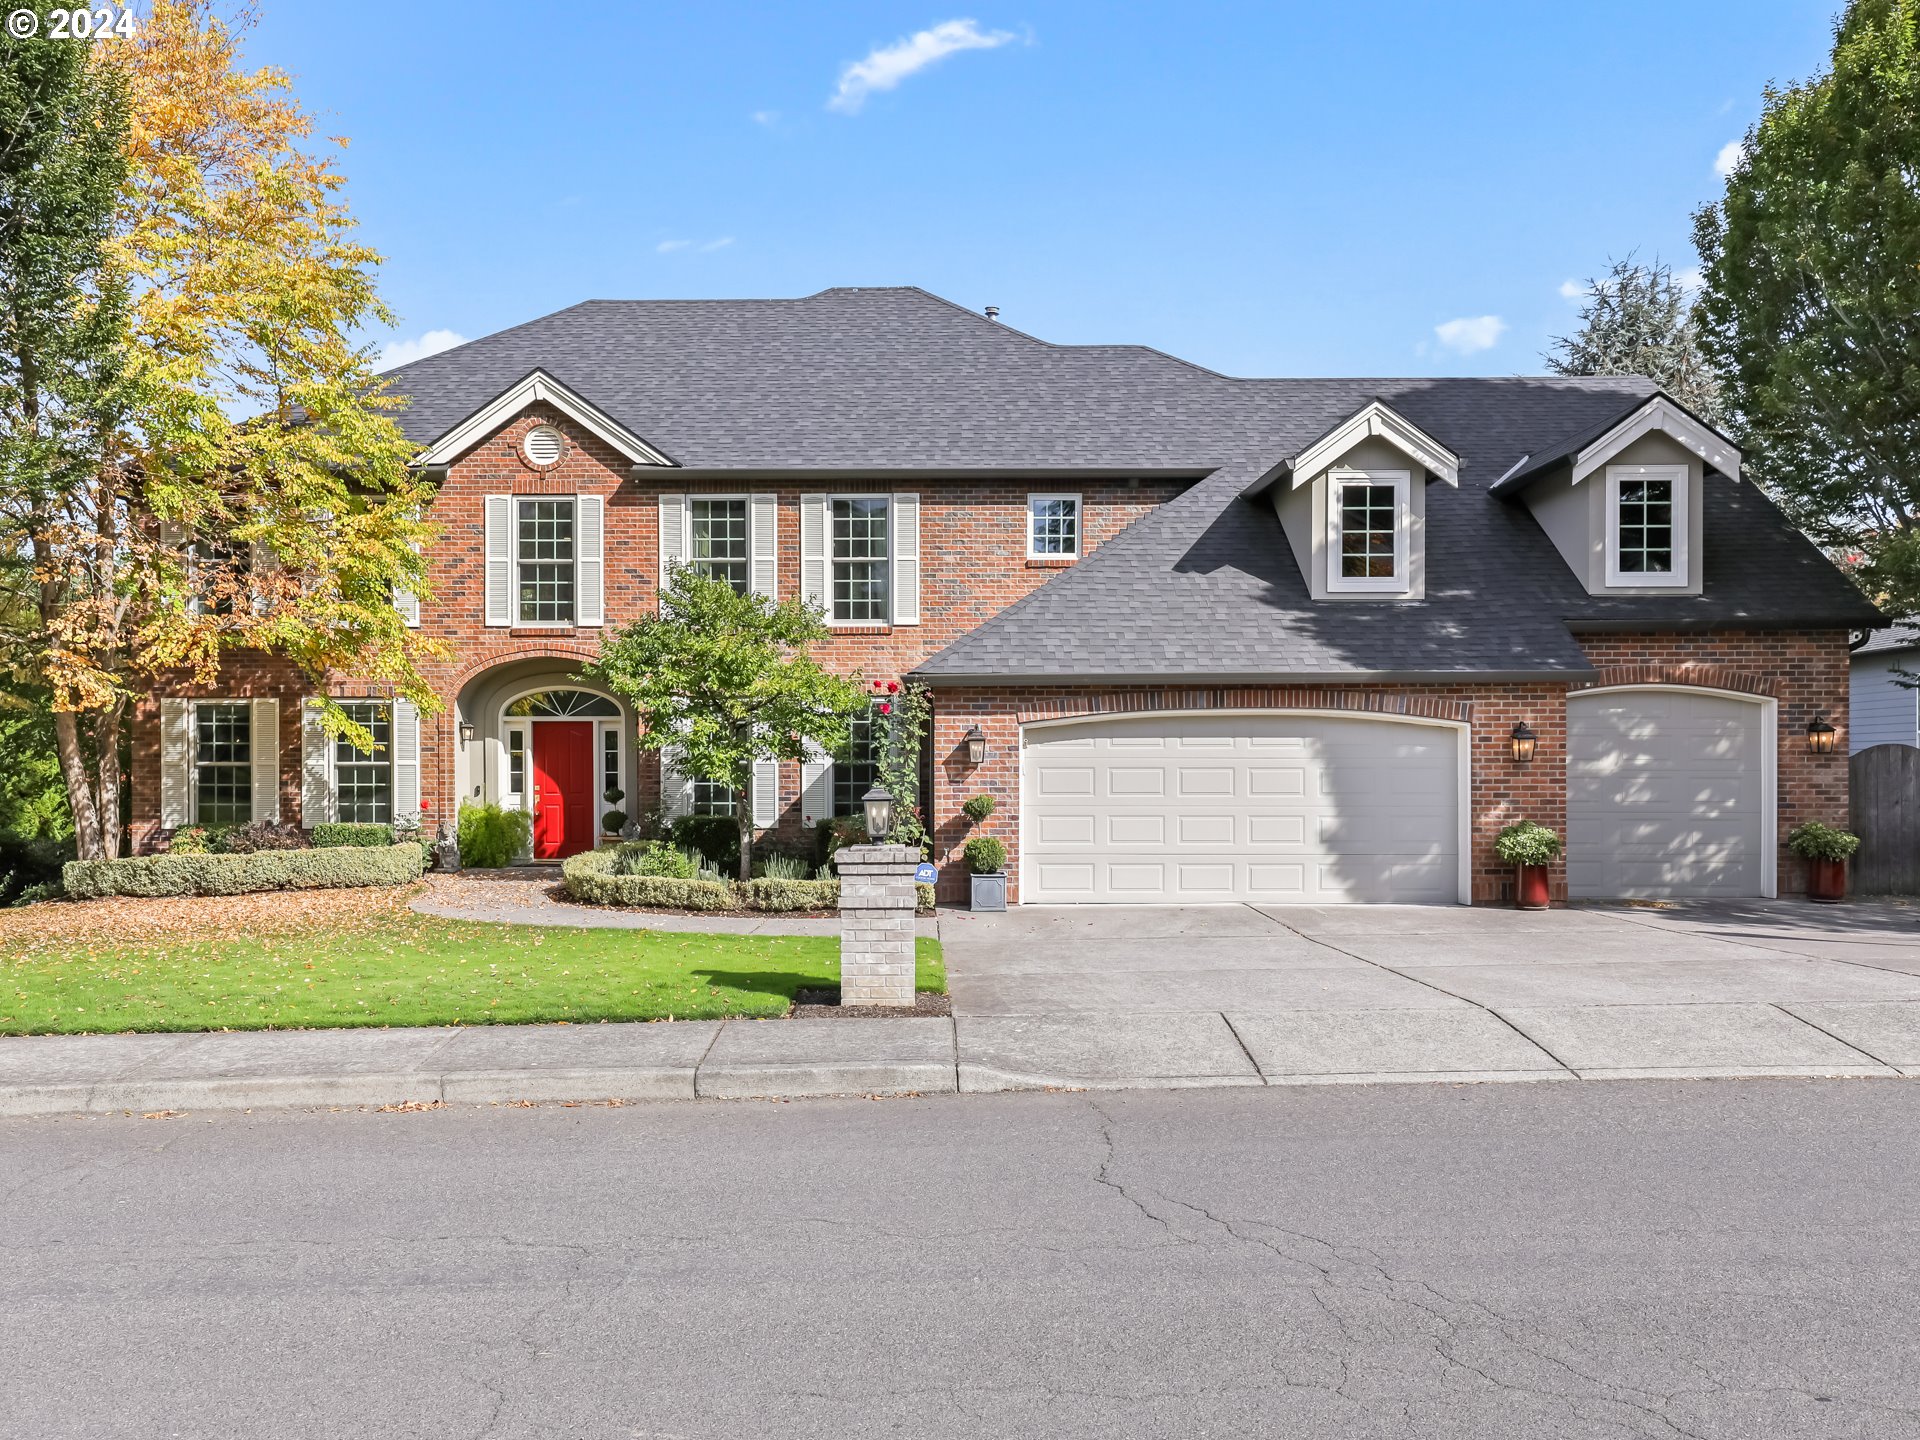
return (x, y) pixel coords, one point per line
(1885, 780)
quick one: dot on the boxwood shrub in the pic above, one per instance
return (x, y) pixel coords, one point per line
(602, 877)
(151, 876)
(338, 833)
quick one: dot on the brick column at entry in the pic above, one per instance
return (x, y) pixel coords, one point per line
(877, 902)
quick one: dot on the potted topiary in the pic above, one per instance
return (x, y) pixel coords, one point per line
(977, 809)
(1826, 850)
(1530, 849)
(986, 857)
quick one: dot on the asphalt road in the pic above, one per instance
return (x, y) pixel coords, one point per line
(1711, 1259)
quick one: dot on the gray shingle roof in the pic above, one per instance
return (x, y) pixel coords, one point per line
(1901, 635)
(897, 379)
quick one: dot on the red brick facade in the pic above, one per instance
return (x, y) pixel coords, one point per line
(973, 564)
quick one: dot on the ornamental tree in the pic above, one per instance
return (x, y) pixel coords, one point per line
(198, 455)
(724, 679)
(1637, 320)
(1811, 303)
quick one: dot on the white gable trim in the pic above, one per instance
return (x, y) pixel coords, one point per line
(1377, 421)
(1669, 419)
(539, 386)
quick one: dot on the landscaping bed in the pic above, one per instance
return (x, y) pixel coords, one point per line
(158, 876)
(824, 1004)
(599, 877)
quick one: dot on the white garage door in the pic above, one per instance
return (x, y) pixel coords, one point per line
(1281, 809)
(1664, 794)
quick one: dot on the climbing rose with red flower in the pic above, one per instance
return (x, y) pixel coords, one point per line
(892, 686)
(886, 709)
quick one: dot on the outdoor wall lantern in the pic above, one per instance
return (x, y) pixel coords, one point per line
(879, 807)
(1523, 740)
(976, 743)
(1820, 735)
(466, 732)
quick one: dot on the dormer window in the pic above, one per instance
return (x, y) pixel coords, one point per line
(1647, 525)
(1367, 527)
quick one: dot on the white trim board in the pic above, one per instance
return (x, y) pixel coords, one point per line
(1377, 421)
(1669, 419)
(539, 387)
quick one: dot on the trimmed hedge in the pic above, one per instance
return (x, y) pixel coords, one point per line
(336, 834)
(595, 877)
(152, 876)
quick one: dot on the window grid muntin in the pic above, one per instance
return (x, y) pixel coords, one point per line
(544, 548)
(1369, 530)
(859, 547)
(1053, 525)
(710, 797)
(1645, 532)
(857, 774)
(517, 762)
(610, 763)
(718, 540)
(223, 763)
(363, 780)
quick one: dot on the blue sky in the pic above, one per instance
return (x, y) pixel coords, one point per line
(1268, 189)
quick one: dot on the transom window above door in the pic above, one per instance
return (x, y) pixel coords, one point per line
(1367, 526)
(1646, 525)
(718, 536)
(544, 550)
(563, 704)
(858, 533)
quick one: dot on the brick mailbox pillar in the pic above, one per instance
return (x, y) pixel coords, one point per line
(877, 903)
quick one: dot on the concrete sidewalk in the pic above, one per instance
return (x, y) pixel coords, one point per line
(788, 1059)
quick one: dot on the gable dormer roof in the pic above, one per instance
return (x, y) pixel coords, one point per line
(539, 386)
(1375, 420)
(1590, 449)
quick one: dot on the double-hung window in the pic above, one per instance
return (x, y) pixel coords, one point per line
(858, 529)
(222, 763)
(1053, 527)
(544, 550)
(717, 532)
(1367, 530)
(211, 575)
(1646, 525)
(856, 774)
(363, 779)
(710, 797)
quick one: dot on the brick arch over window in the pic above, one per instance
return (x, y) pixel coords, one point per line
(1707, 677)
(1259, 697)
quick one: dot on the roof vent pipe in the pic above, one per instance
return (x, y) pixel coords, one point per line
(993, 312)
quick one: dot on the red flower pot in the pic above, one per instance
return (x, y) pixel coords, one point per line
(1827, 881)
(1531, 893)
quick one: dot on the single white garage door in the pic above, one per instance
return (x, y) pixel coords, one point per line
(1280, 809)
(1665, 794)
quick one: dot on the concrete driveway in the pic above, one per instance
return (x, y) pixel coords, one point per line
(1232, 994)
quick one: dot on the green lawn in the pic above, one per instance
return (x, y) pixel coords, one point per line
(416, 971)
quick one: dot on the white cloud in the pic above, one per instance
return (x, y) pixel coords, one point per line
(1691, 279)
(1571, 290)
(703, 247)
(1471, 333)
(764, 117)
(713, 245)
(887, 65)
(405, 352)
(667, 247)
(1729, 158)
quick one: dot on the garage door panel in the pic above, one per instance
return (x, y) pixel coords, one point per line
(1057, 779)
(1664, 795)
(1202, 808)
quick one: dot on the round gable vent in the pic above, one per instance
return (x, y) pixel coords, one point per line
(543, 445)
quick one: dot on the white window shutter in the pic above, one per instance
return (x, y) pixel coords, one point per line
(499, 560)
(813, 551)
(590, 525)
(673, 535)
(816, 785)
(406, 760)
(265, 724)
(906, 559)
(262, 561)
(318, 804)
(763, 543)
(408, 603)
(766, 793)
(176, 763)
(676, 787)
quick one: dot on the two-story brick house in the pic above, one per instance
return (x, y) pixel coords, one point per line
(1210, 639)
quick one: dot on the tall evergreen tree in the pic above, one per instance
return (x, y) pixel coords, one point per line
(1811, 303)
(1638, 320)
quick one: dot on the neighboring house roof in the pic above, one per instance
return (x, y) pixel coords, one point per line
(1901, 635)
(853, 381)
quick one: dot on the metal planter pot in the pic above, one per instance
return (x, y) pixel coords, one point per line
(989, 892)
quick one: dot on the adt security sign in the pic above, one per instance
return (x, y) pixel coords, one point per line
(925, 874)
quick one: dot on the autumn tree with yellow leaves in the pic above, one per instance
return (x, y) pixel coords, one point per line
(195, 454)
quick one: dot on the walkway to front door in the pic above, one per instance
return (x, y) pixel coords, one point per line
(562, 788)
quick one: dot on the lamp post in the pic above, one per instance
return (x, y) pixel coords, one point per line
(879, 807)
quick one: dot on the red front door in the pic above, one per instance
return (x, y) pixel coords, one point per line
(562, 788)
